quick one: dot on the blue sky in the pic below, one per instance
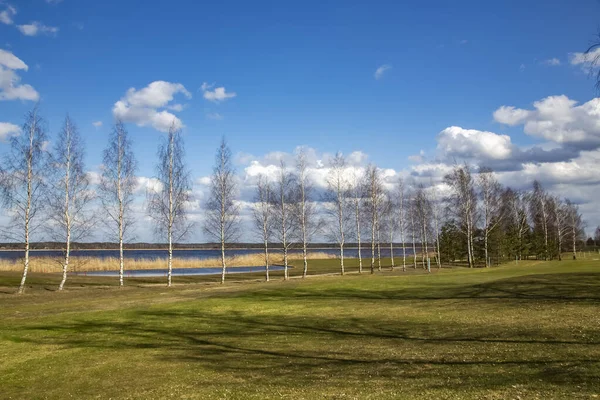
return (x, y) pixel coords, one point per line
(302, 73)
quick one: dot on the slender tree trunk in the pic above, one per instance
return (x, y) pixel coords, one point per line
(171, 209)
(170, 261)
(373, 246)
(392, 250)
(285, 263)
(485, 239)
(378, 246)
(412, 221)
(224, 267)
(27, 213)
(360, 266)
(67, 218)
(266, 252)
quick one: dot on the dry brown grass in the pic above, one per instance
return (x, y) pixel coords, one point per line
(50, 264)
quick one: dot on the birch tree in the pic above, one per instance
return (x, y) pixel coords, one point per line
(263, 216)
(357, 195)
(436, 216)
(23, 182)
(575, 226)
(70, 195)
(374, 194)
(540, 215)
(167, 201)
(490, 193)
(413, 227)
(390, 223)
(304, 208)
(399, 195)
(117, 187)
(422, 206)
(222, 216)
(337, 197)
(561, 223)
(462, 204)
(283, 211)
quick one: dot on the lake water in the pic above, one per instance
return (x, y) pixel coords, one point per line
(190, 254)
(147, 273)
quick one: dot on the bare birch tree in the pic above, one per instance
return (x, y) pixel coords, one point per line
(413, 227)
(374, 194)
(422, 206)
(401, 209)
(436, 215)
(22, 184)
(69, 197)
(222, 216)
(490, 192)
(575, 226)
(337, 197)
(283, 203)
(357, 194)
(117, 186)
(561, 223)
(540, 214)
(390, 223)
(304, 208)
(263, 216)
(462, 204)
(167, 202)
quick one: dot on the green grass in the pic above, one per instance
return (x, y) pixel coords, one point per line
(527, 331)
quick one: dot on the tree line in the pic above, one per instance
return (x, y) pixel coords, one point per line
(474, 218)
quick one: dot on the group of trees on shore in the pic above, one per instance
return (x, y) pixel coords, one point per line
(471, 216)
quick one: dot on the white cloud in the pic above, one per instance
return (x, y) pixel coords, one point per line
(6, 16)
(7, 129)
(10, 61)
(553, 62)
(417, 157)
(97, 124)
(379, 72)
(10, 87)
(145, 184)
(510, 115)
(217, 95)
(455, 141)
(54, 2)
(585, 60)
(557, 119)
(37, 28)
(142, 107)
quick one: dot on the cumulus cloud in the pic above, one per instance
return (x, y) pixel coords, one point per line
(458, 142)
(147, 106)
(37, 28)
(218, 94)
(10, 86)
(7, 130)
(558, 119)
(7, 15)
(379, 72)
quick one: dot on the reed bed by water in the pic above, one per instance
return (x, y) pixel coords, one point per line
(53, 264)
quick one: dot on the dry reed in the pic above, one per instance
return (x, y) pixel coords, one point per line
(51, 264)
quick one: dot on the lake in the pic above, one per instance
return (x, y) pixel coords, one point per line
(189, 254)
(147, 273)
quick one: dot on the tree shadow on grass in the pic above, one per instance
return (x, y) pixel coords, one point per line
(299, 348)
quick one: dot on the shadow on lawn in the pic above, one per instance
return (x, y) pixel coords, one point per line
(300, 348)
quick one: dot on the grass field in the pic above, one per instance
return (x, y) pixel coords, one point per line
(530, 331)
